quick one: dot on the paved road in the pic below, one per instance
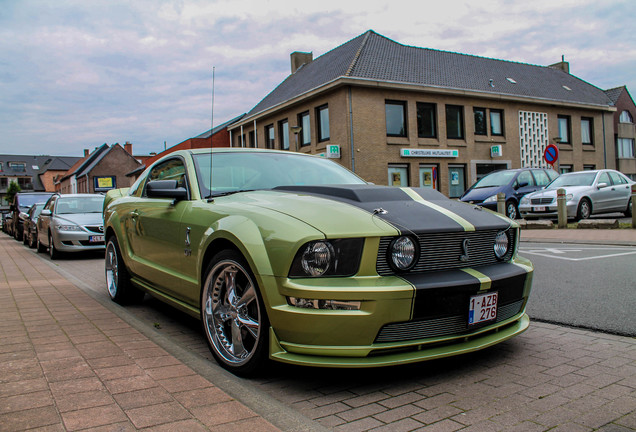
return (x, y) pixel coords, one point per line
(590, 286)
(549, 377)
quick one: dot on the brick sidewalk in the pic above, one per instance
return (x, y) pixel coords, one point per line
(68, 363)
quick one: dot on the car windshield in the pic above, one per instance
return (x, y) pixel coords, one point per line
(575, 179)
(74, 205)
(28, 200)
(499, 178)
(240, 171)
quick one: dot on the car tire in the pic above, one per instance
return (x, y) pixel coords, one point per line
(233, 315)
(120, 289)
(584, 209)
(511, 209)
(630, 209)
(16, 234)
(40, 246)
(25, 240)
(31, 242)
(53, 252)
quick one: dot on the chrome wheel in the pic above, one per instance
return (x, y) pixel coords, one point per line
(511, 210)
(233, 316)
(53, 253)
(112, 270)
(584, 210)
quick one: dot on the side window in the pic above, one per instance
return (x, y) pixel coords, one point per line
(541, 178)
(172, 169)
(604, 178)
(525, 177)
(51, 204)
(616, 178)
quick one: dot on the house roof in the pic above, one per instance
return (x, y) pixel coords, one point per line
(374, 57)
(34, 166)
(81, 165)
(615, 93)
(220, 127)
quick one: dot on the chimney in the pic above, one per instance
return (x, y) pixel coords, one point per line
(300, 58)
(128, 147)
(562, 65)
(86, 153)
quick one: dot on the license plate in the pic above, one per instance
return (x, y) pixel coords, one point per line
(538, 209)
(482, 308)
(96, 239)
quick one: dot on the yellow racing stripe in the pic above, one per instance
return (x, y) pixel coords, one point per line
(460, 220)
(484, 280)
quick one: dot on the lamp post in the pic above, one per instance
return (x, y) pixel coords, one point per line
(296, 130)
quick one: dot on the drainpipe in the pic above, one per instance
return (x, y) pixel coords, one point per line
(604, 149)
(353, 158)
(255, 135)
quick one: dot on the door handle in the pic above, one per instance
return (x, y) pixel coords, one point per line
(134, 214)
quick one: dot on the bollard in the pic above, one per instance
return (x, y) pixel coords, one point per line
(632, 204)
(562, 211)
(501, 203)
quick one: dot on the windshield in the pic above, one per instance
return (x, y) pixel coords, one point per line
(575, 179)
(28, 200)
(74, 205)
(499, 178)
(241, 171)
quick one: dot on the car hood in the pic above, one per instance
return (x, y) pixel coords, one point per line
(552, 193)
(81, 218)
(480, 194)
(350, 209)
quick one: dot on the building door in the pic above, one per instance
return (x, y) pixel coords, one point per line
(456, 180)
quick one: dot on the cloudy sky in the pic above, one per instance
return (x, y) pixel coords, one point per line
(75, 74)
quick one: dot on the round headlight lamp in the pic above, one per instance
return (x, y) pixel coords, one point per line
(403, 253)
(501, 244)
(317, 258)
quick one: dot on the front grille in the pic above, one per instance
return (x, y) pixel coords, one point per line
(539, 201)
(453, 325)
(99, 229)
(90, 243)
(441, 251)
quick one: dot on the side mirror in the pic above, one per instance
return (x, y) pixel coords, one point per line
(601, 185)
(165, 189)
(46, 212)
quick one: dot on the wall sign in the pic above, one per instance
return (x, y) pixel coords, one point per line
(429, 153)
(102, 184)
(496, 151)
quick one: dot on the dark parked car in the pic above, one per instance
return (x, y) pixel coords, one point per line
(7, 222)
(21, 205)
(30, 227)
(515, 183)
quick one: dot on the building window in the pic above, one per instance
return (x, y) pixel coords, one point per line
(398, 175)
(626, 117)
(17, 166)
(589, 167)
(305, 133)
(251, 138)
(322, 116)
(564, 129)
(456, 181)
(454, 122)
(496, 122)
(428, 176)
(426, 120)
(587, 130)
(395, 119)
(565, 169)
(269, 136)
(625, 148)
(283, 133)
(480, 121)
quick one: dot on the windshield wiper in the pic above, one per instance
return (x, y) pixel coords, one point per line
(226, 193)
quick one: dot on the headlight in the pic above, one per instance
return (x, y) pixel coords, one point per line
(525, 200)
(501, 244)
(569, 197)
(68, 227)
(403, 253)
(340, 257)
(490, 199)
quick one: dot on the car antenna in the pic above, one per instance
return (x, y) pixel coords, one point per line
(211, 136)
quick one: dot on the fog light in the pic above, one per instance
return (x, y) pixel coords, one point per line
(323, 304)
(403, 253)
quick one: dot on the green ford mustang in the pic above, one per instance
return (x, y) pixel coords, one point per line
(294, 258)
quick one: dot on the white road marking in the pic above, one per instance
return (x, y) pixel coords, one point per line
(558, 253)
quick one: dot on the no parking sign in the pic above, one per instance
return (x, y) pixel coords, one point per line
(551, 154)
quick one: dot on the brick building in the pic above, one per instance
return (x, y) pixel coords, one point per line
(624, 130)
(403, 115)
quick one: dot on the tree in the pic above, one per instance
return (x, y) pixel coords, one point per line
(13, 189)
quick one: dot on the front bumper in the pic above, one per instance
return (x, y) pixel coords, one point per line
(77, 241)
(410, 319)
(550, 211)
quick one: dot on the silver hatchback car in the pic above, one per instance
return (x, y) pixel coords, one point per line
(71, 223)
(587, 193)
